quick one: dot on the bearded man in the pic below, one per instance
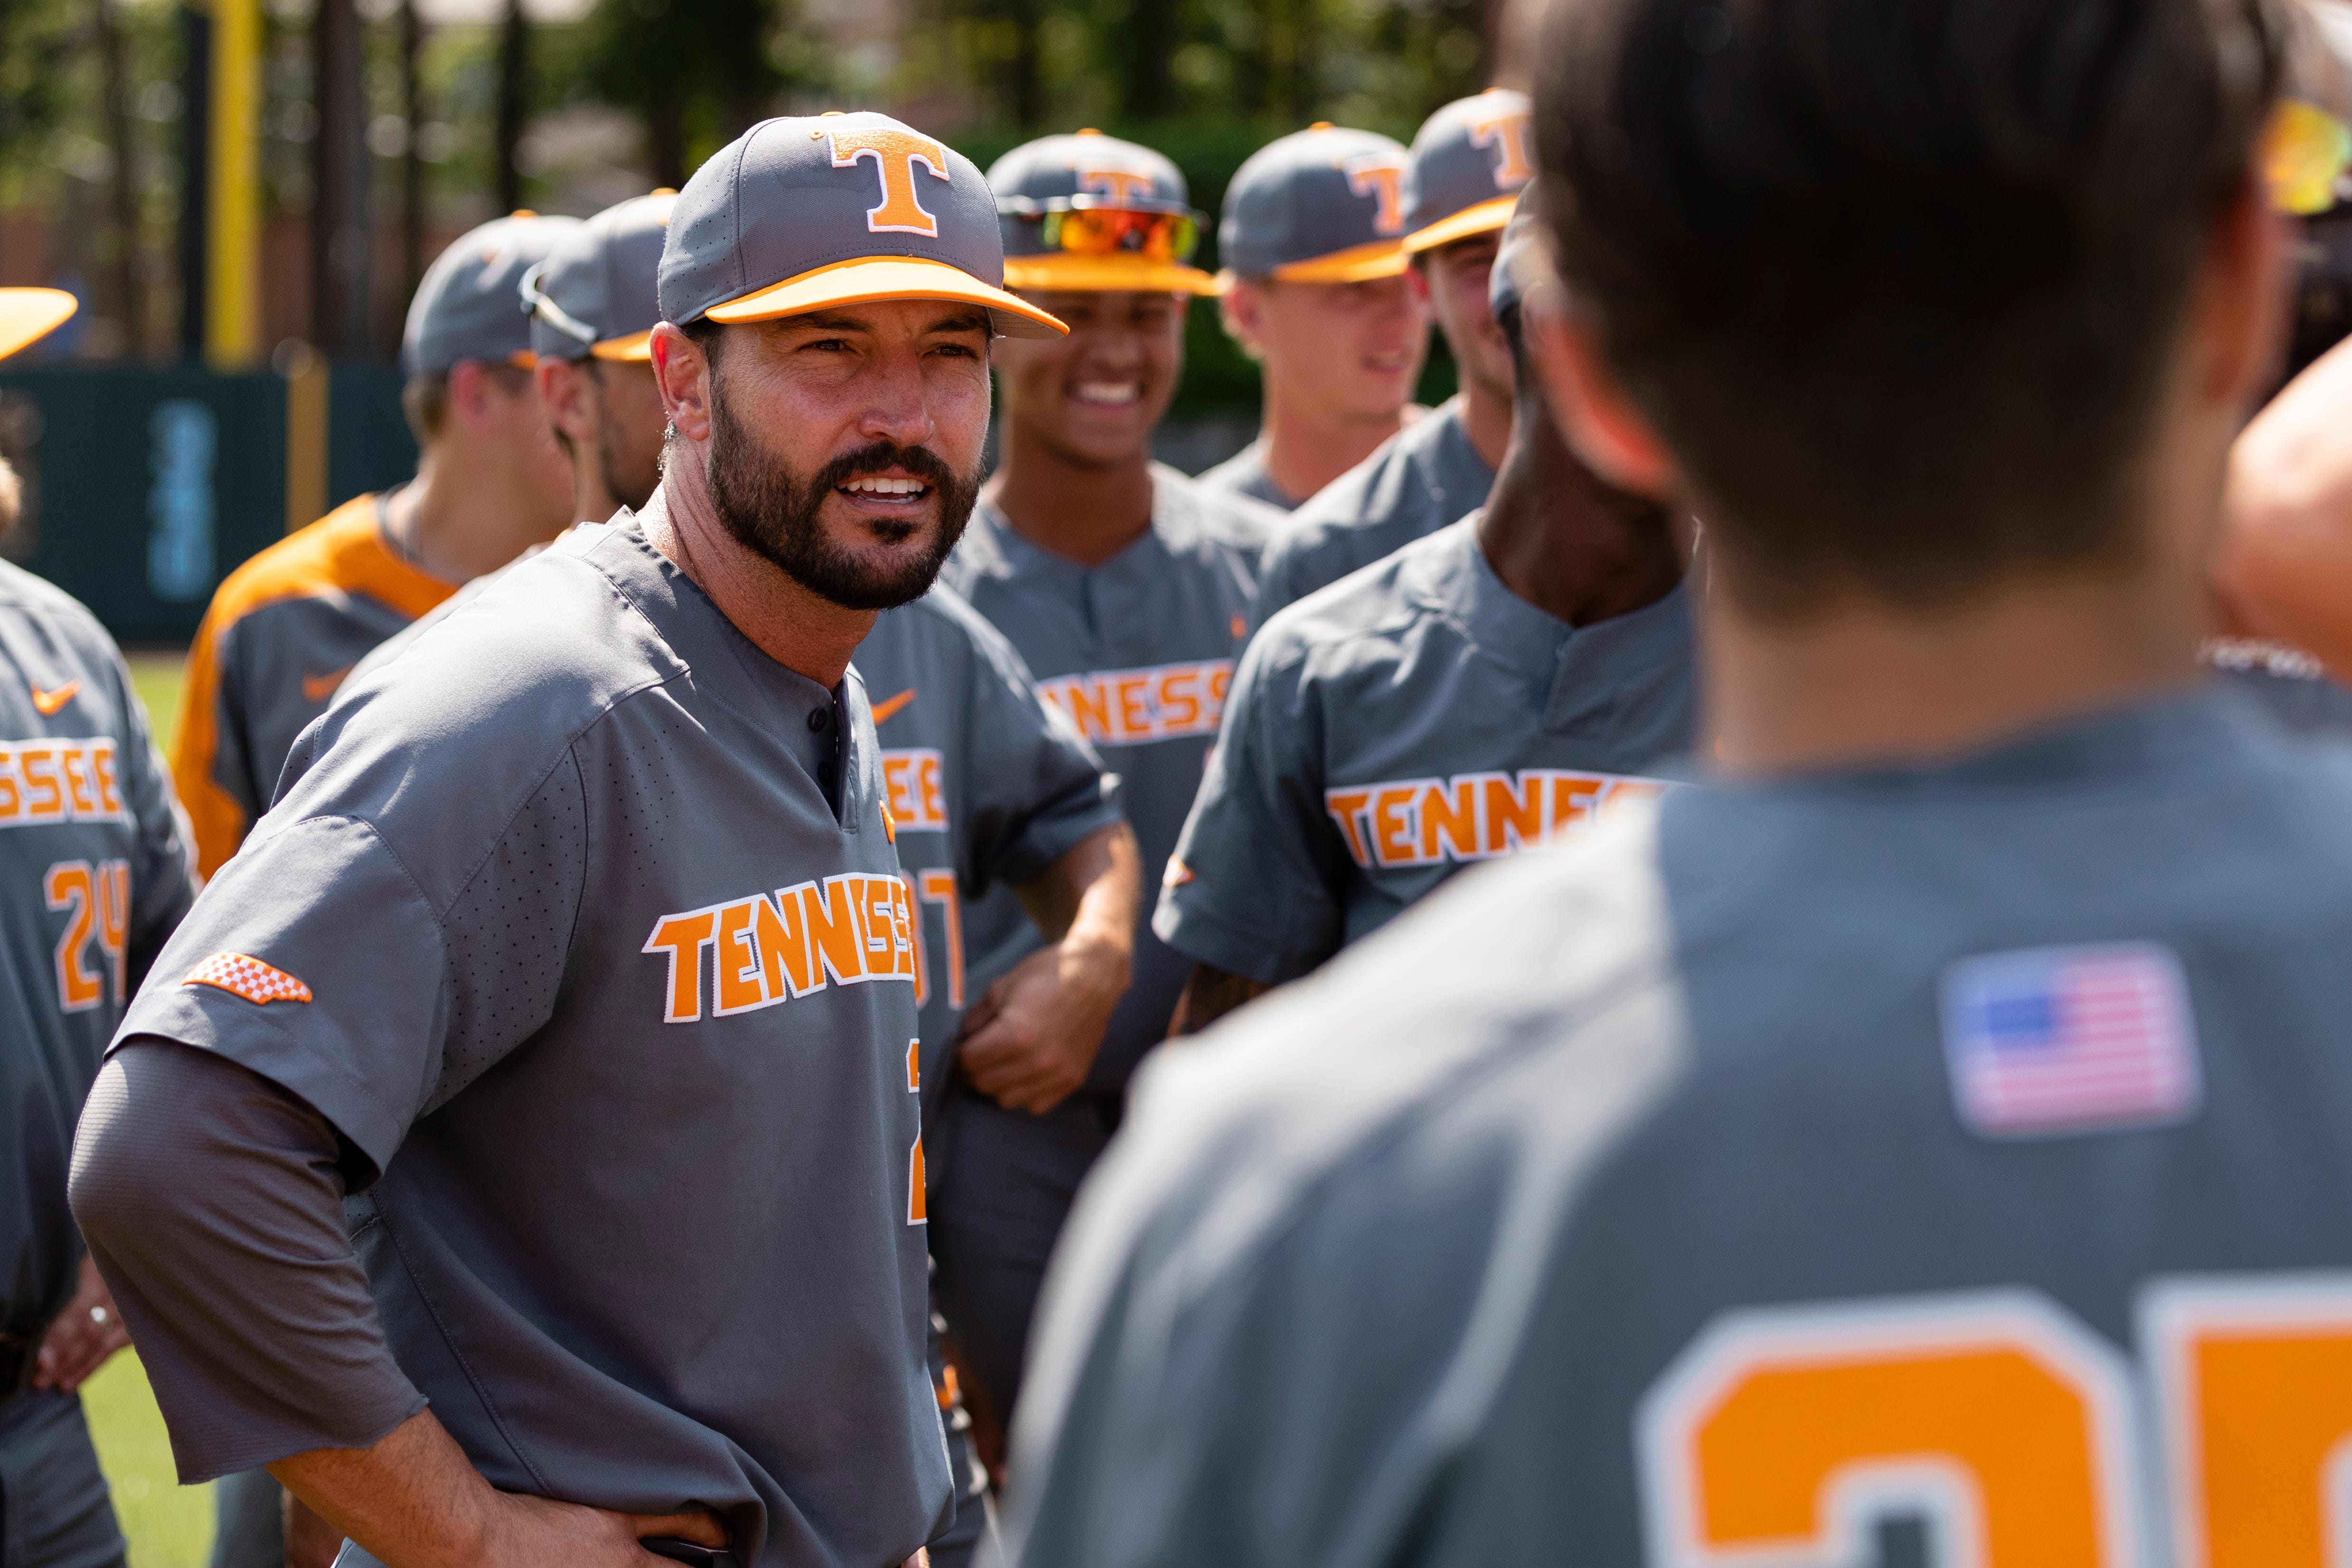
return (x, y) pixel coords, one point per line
(587, 908)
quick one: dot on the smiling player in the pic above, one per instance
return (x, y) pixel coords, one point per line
(603, 1012)
(1125, 588)
(1470, 161)
(1314, 290)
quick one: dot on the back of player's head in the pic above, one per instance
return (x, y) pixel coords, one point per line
(1898, 281)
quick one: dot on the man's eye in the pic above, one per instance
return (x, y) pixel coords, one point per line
(828, 346)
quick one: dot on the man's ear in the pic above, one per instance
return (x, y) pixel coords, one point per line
(1416, 274)
(1242, 308)
(564, 390)
(1598, 422)
(683, 372)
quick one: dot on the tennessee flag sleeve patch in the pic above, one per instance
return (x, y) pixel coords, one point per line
(251, 978)
(2071, 1039)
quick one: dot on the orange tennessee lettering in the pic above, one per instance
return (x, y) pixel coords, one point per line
(683, 937)
(912, 785)
(1346, 805)
(1514, 813)
(58, 781)
(896, 154)
(1392, 834)
(1449, 812)
(1382, 177)
(736, 960)
(1508, 131)
(80, 792)
(44, 795)
(832, 915)
(782, 932)
(1129, 707)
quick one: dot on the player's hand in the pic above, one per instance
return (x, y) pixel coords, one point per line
(1030, 1039)
(535, 1532)
(310, 1541)
(83, 1336)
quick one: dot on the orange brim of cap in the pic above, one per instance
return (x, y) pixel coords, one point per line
(870, 279)
(636, 348)
(28, 315)
(1357, 264)
(1483, 217)
(1104, 275)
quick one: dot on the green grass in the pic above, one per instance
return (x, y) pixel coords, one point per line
(169, 1525)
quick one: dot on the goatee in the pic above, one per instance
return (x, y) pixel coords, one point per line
(773, 512)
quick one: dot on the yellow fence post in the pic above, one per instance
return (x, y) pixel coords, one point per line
(233, 248)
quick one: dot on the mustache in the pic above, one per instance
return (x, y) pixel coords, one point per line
(918, 462)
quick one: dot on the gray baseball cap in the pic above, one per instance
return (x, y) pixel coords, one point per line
(837, 209)
(596, 295)
(1520, 260)
(1470, 160)
(1091, 212)
(1322, 205)
(469, 305)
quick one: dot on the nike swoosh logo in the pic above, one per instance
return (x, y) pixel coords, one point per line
(889, 705)
(318, 688)
(50, 702)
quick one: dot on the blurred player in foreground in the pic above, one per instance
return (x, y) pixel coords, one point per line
(1314, 290)
(98, 871)
(285, 629)
(1489, 689)
(586, 910)
(1125, 588)
(1470, 161)
(1946, 1115)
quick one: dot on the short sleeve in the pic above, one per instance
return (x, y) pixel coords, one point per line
(1034, 788)
(316, 959)
(1256, 886)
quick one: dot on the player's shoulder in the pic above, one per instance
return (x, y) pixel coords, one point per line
(340, 552)
(35, 598)
(1363, 495)
(1191, 515)
(1310, 1109)
(1371, 613)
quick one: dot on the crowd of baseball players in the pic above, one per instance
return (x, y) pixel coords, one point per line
(647, 1014)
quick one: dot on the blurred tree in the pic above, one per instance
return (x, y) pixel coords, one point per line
(514, 61)
(697, 72)
(38, 41)
(123, 252)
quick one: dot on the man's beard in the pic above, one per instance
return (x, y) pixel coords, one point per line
(774, 514)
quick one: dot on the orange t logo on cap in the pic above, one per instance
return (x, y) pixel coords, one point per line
(895, 154)
(1509, 129)
(1120, 185)
(1381, 176)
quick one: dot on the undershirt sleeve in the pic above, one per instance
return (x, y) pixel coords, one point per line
(212, 1199)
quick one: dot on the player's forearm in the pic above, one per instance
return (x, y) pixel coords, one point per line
(1089, 900)
(1209, 994)
(213, 1206)
(412, 1499)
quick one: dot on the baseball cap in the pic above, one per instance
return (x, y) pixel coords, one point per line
(469, 304)
(1090, 212)
(797, 214)
(1322, 205)
(28, 315)
(1469, 161)
(597, 294)
(1519, 260)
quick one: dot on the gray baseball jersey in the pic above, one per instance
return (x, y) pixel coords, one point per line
(1243, 474)
(2293, 686)
(1773, 1168)
(1137, 653)
(100, 874)
(1425, 476)
(988, 786)
(1403, 725)
(554, 921)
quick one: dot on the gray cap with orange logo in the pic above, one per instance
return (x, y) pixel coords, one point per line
(796, 215)
(1470, 161)
(1322, 205)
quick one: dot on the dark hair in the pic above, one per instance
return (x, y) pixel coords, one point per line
(1898, 280)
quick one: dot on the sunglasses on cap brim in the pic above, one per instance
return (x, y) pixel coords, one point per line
(1092, 226)
(2306, 151)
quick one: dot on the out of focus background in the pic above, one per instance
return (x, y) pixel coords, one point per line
(243, 193)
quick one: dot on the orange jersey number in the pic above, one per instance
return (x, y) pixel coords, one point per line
(96, 901)
(1785, 1435)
